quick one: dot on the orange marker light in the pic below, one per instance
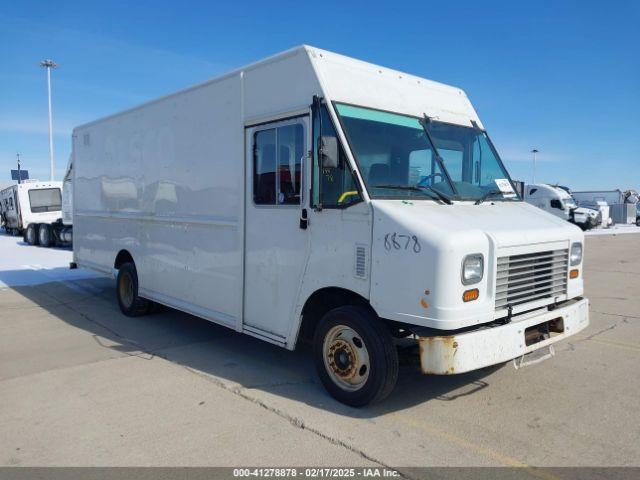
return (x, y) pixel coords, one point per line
(574, 273)
(471, 295)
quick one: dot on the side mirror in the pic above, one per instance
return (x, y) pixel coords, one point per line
(329, 149)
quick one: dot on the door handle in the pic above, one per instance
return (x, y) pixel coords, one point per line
(304, 219)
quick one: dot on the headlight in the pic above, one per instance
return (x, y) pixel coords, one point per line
(472, 269)
(576, 254)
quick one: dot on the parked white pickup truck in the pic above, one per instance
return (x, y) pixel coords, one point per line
(314, 196)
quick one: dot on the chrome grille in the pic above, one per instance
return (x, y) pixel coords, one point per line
(531, 276)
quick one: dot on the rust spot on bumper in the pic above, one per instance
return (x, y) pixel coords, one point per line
(447, 347)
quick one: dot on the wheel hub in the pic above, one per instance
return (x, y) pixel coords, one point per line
(342, 359)
(346, 357)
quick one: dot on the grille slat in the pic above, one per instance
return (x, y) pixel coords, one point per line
(547, 273)
(541, 263)
(531, 283)
(529, 258)
(531, 276)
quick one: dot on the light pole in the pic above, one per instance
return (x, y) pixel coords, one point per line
(534, 151)
(19, 174)
(49, 64)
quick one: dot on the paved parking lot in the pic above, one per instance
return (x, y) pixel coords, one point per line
(80, 384)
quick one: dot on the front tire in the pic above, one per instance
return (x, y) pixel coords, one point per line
(31, 234)
(130, 303)
(44, 235)
(355, 356)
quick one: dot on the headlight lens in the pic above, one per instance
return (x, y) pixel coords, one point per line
(576, 254)
(472, 269)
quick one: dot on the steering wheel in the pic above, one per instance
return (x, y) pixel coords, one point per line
(430, 178)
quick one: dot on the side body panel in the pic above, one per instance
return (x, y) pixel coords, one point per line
(164, 182)
(9, 208)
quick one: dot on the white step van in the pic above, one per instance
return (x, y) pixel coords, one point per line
(314, 196)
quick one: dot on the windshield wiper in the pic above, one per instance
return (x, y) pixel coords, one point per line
(434, 193)
(445, 198)
(424, 122)
(490, 193)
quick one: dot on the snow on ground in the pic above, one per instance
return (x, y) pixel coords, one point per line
(615, 230)
(22, 264)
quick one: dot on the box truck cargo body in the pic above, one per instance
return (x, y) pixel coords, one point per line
(314, 196)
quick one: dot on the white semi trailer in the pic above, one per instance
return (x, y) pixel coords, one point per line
(29, 205)
(314, 196)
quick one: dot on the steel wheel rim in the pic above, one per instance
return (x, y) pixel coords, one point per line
(31, 235)
(346, 358)
(126, 289)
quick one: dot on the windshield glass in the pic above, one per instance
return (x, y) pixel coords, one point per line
(396, 159)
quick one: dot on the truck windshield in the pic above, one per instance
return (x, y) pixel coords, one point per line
(396, 157)
(45, 200)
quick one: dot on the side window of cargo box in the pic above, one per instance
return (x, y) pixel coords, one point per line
(332, 187)
(276, 165)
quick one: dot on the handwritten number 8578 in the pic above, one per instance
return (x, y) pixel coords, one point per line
(401, 242)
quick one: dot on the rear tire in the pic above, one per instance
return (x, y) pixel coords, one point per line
(127, 291)
(44, 235)
(355, 356)
(31, 234)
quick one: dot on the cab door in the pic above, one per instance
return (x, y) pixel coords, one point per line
(275, 238)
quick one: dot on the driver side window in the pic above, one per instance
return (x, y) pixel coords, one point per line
(333, 187)
(555, 203)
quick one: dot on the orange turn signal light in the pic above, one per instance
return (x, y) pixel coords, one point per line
(574, 273)
(471, 295)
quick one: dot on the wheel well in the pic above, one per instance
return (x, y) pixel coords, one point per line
(321, 302)
(122, 258)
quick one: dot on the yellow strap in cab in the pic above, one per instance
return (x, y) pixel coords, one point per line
(347, 194)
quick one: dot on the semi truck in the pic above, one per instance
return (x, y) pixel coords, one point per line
(315, 198)
(28, 206)
(558, 201)
(40, 211)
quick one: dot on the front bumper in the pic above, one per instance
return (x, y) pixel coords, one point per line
(464, 352)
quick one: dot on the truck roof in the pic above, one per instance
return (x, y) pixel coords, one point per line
(550, 189)
(34, 184)
(349, 80)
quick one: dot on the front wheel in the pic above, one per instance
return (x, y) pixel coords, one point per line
(355, 356)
